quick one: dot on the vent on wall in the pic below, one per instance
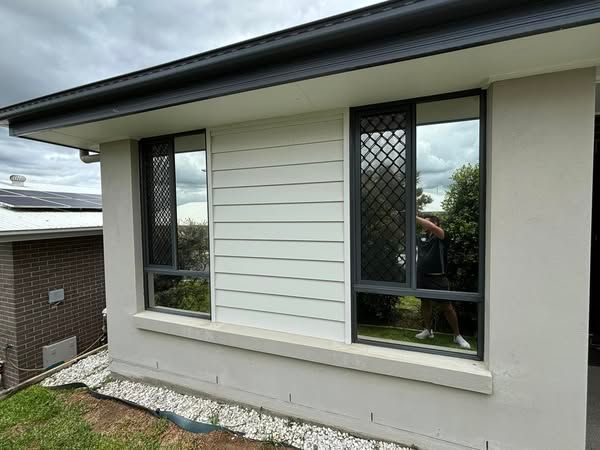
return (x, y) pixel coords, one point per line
(59, 351)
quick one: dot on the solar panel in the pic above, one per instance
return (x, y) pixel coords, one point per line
(20, 202)
(25, 199)
(39, 194)
(75, 203)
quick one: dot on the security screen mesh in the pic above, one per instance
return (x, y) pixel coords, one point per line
(158, 169)
(383, 196)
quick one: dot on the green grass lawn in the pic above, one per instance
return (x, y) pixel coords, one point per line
(408, 335)
(37, 417)
(71, 419)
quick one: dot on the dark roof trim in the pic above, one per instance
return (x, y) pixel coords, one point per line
(380, 34)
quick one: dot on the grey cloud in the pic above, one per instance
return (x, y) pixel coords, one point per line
(443, 148)
(44, 163)
(51, 46)
(190, 176)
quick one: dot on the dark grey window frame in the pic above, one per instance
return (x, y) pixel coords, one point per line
(171, 269)
(400, 289)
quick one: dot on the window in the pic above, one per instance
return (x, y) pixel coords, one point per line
(417, 211)
(175, 214)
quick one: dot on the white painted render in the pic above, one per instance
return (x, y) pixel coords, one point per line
(539, 172)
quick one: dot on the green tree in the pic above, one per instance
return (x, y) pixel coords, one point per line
(192, 246)
(422, 198)
(188, 293)
(461, 222)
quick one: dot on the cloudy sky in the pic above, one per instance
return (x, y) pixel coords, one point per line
(47, 46)
(441, 149)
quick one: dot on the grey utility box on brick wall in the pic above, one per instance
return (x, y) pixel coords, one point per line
(59, 352)
(56, 296)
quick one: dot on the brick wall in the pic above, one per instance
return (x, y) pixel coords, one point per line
(74, 264)
(8, 326)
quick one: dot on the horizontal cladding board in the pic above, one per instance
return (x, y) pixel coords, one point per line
(319, 131)
(291, 212)
(305, 326)
(294, 193)
(278, 122)
(314, 251)
(313, 270)
(264, 176)
(308, 231)
(314, 289)
(279, 156)
(301, 307)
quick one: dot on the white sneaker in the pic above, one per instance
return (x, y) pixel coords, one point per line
(461, 342)
(426, 333)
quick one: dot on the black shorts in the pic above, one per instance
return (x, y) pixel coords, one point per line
(435, 282)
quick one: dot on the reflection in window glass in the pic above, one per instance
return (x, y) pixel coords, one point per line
(383, 145)
(404, 320)
(448, 195)
(192, 211)
(179, 292)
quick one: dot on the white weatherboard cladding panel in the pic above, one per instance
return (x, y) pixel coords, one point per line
(292, 306)
(289, 231)
(290, 212)
(278, 212)
(293, 193)
(314, 251)
(279, 156)
(307, 326)
(316, 289)
(294, 174)
(280, 135)
(316, 270)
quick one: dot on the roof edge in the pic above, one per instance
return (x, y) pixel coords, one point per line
(377, 18)
(383, 33)
(31, 235)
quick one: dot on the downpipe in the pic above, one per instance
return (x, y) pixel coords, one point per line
(86, 157)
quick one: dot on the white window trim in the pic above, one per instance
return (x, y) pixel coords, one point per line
(441, 370)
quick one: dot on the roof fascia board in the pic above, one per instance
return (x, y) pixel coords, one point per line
(524, 21)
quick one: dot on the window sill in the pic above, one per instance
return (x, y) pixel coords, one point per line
(441, 370)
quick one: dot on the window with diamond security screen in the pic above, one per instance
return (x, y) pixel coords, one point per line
(417, 210)
(383, 195)
(176, 246)
(158, 169)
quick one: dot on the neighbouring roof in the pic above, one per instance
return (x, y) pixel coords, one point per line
(379, 34)
(17, 223)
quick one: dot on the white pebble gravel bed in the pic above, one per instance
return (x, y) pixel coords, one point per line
(93, 371)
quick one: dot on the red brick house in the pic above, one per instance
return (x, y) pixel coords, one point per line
(51, 278)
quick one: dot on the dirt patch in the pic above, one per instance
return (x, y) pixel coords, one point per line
(111, 417)
(116, 419)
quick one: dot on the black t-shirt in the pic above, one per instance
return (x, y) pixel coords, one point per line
(433, 254)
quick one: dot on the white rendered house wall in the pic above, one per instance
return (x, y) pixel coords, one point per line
(539, 164)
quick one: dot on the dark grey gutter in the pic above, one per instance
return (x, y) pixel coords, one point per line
(375, 35)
